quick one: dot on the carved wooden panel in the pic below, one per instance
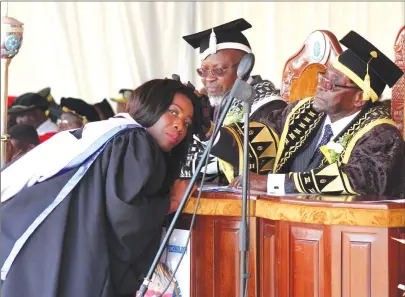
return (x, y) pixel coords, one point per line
(268, 259)
(299, 78)
(396, 261)
(300, 255)
(226, 258)
(359, 262)
(306, 262)
(215, 257)
(398, 90)
(202, 257)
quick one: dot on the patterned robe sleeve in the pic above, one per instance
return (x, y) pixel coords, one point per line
(372, 166)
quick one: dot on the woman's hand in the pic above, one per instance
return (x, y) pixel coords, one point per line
(177, 192)
(257, 182)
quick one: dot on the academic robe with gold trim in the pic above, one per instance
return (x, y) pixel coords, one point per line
(369, 163)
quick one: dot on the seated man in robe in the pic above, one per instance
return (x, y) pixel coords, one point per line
(30, 109)
(221, 50)
(22, 139)
(75, 113)
(342, 141)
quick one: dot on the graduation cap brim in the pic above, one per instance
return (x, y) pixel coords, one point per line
(228, 36)
(353, 63)
(79, 108)
(124, 98)
(20, 108)
(119, 100)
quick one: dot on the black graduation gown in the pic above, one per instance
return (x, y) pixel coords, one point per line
(100, 241)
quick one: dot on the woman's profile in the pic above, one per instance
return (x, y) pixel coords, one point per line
(82, 213)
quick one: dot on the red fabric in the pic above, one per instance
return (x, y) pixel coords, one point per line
(10, 100)
(46, 136)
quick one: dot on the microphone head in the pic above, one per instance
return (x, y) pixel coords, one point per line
(245, 66)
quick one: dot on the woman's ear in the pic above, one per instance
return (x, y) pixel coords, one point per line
(358, 101)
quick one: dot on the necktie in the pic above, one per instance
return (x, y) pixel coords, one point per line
(327, 136)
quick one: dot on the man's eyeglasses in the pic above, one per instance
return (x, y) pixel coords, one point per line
(328, 85)
(217, 72)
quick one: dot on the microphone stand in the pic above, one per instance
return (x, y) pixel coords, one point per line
(243, 236)
(243, 91)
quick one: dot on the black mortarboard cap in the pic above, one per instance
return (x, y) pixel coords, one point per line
(353, 63)
(79, 108)
(105, 109)
(27, 102)
(226, 36)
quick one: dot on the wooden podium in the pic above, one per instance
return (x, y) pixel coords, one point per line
(303, 246)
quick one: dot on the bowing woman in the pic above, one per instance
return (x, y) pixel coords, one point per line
(82, 213)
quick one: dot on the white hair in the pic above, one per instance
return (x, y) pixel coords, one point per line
(216, 100)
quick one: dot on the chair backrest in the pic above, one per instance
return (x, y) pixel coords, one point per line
(398, 90)
(300, 71)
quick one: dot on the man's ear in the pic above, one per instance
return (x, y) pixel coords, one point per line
(358, 101)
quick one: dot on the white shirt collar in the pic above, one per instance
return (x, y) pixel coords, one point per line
(46, 127)
(339, 125)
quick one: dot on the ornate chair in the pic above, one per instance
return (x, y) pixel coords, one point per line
(300, 71)
(398, 90)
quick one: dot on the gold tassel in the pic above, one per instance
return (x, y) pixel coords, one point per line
(367, 82)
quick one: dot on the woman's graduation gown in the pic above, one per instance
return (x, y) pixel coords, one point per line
(101, 239)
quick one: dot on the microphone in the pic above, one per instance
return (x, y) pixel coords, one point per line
(241, 90)
(245, 66)
(243, 73)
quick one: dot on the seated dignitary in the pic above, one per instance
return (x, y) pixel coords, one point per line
(30, 109)
(88, 222)
(74, 113)
(342, 141)
(22, 139)
(221, 49)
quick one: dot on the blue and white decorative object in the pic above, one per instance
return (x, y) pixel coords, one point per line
(11, 37)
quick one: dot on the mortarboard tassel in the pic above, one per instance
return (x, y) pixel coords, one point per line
(367, 82)
(213, 42)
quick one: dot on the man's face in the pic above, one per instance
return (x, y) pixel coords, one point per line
(16, 148)
(28, 117)
(336, 95)
(227, 59)
(68, 121)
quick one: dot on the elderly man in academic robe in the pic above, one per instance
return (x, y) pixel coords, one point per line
(341, 141)
(221, 50)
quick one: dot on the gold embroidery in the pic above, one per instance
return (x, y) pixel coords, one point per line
(284, 154)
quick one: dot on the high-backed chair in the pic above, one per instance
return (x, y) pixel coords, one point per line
(300, 71)
(398, 90)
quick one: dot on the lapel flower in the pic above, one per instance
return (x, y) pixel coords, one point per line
(332, 151)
